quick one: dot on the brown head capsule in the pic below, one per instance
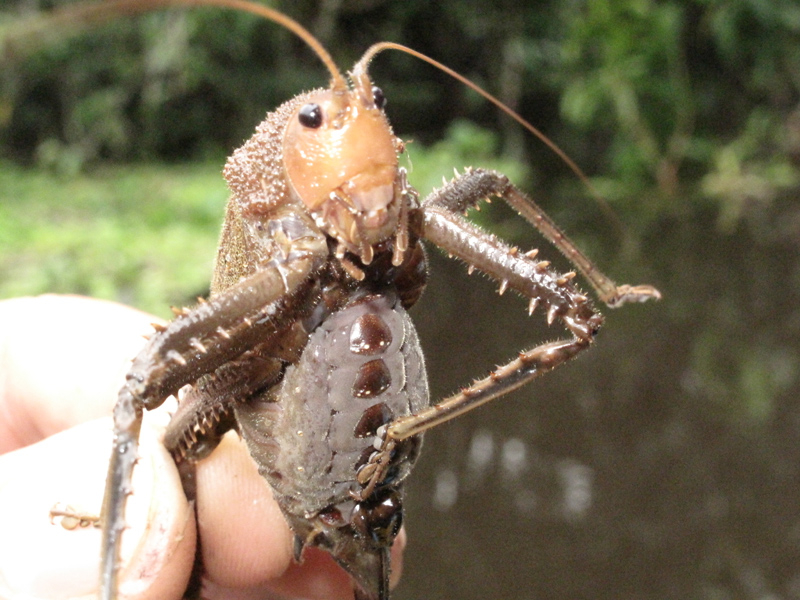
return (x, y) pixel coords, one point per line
(340, 157)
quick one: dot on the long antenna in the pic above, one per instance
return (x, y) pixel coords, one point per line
(360, 69)
(608, 291)
(101, 12)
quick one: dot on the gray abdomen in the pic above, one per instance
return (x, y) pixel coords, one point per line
(362, 368)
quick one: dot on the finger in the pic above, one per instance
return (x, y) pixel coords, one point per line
(318, 577)
(247, 545)
(245, 538)
(39, 559)
(63, 360)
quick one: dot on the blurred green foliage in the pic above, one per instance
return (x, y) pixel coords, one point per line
(696, 100)
(145, 235)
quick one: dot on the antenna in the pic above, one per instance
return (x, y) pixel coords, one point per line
(84, 15)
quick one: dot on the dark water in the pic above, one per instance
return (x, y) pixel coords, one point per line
(663, 463)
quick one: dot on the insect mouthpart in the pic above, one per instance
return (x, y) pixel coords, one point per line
(360, 218)
(364, 208)
(371, 204)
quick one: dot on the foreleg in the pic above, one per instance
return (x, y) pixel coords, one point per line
(196, 343)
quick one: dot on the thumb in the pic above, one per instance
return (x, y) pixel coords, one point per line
(41, 560)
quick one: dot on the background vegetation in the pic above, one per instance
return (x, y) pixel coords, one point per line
(665, 463)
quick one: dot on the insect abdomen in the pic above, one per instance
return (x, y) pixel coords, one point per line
(362, 367)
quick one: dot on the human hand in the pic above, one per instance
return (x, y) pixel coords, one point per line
(62, 362)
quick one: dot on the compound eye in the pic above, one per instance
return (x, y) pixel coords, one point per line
(310, 116)
(380, 99)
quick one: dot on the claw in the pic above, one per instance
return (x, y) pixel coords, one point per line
(633, 293)
(297, 548)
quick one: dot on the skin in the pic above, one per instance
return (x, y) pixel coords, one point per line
(62, 361)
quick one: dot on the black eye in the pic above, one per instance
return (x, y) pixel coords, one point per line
(310, 116)
(380, 99)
